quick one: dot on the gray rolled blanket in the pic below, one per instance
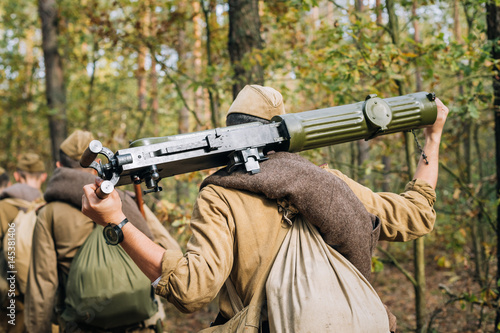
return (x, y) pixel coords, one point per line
(321, 197)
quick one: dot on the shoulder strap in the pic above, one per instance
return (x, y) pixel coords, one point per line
(19, 203)
(24, 204)
(248, 319)
(234, 298)
(255, 306)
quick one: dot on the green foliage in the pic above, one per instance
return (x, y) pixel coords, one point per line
(317, 53)
(377, 265)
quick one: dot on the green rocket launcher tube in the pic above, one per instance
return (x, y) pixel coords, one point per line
(149, 160)
(363, 120)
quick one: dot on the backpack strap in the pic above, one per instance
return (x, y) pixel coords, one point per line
(234, 298)
(248, 319)
(254, 308)
(18, 203)
(24, 204)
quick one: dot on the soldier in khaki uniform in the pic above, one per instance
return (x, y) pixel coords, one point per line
(61, 230)
(235, 231)
(29, 175)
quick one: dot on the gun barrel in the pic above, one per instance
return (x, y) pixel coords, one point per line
(363, 120)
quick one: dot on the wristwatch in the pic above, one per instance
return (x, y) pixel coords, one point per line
(113, 233)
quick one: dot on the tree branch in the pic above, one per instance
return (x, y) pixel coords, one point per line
(472, 196)
(398, 266)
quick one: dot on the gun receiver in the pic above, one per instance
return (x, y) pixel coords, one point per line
(151, 159)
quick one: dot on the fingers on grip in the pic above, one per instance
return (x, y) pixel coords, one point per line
(105, 189)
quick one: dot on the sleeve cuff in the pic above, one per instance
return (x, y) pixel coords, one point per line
(422, 187)
(171, 259)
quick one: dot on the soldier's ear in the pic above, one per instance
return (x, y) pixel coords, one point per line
(17, 176)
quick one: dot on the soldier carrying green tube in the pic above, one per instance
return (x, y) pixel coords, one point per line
(242, 215)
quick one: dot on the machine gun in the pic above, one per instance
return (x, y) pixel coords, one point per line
(151, 159)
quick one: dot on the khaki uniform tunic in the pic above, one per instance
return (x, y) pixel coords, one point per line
(234, 230)
(8, 213)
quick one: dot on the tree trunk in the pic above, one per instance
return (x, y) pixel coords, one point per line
(198, 100)
(244, 39)
(141, 62)
(353, 161)
(416, 37)
(419, 244)
(386, 159)
(30, 69)
(378, 12)
(54, 75)
(90, 98)
(386, 185)
(493, 21)
(211, 89)
(358, 4)
(362, 145)
(153, 75)
(419, 257)
(476, 233)
(140, 74)
(363, 154)
(154, 98)
(456, 22)
(181, 187)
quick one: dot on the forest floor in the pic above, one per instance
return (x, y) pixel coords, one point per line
(397, 293)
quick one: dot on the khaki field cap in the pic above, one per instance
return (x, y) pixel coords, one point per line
(258, 101)
(2, 171)
(30, 162)
(76, 143)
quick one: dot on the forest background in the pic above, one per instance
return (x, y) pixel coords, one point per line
(129, 69)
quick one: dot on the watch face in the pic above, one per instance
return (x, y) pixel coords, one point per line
(111, 235)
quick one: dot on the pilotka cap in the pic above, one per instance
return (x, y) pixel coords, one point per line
(30, 162)
(76, 143)
(258, 101)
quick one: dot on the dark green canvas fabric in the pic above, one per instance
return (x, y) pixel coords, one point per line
(105, 287)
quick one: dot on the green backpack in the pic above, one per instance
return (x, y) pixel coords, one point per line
(105, 288)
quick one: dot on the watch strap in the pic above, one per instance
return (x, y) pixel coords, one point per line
(122, 223)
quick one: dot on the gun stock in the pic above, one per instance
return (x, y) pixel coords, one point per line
(151, 159)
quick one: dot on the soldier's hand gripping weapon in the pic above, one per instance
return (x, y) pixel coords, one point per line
(149, 160)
